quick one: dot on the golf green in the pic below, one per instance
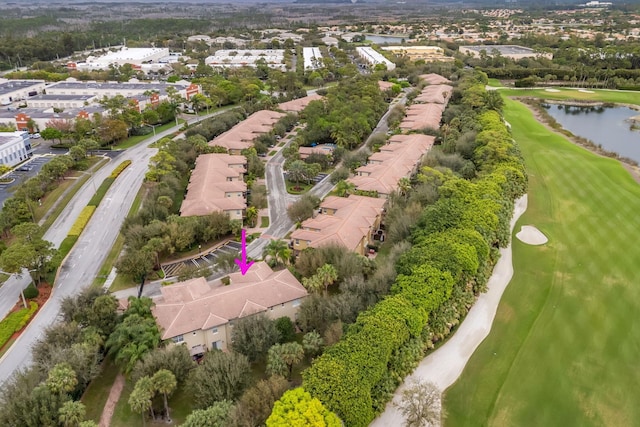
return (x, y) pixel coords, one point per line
(565, 343)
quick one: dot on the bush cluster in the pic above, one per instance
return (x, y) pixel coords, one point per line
(118, 170)
(15, 322)
(81, 222)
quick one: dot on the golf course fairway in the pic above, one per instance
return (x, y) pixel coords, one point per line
(565, 343)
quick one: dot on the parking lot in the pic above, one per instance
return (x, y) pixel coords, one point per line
(207, 260)
(22, 173)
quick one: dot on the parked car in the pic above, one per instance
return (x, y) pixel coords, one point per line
(35, 135)
(25, 168)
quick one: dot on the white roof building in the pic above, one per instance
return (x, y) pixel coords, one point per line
(312, 58)
(15, 147)
(229, 58)
(373, 57)
(143, 59)
(16, 90)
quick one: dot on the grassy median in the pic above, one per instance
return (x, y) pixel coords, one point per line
(563, 348)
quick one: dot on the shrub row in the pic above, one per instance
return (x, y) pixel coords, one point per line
(118, 170)
(82, 220)
(454, 241)
(15, 322)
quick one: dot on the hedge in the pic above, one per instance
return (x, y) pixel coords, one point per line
(15, 321)
(118, 170)
(455, 247)
(82, 220)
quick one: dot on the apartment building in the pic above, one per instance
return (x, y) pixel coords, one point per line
(217, 185)
(201, 314)
(346, 221)
(242, 135)
(297, 105)
(396, 160)
(373, 57)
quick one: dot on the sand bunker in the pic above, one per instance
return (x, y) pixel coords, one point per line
(532, 236)
(552, 90)
(585, 91)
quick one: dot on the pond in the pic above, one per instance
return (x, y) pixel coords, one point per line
(609, 127)
(384, 39)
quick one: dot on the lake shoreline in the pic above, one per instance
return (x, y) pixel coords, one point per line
(540, 114)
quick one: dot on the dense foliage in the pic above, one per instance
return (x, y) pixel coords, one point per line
(455, 241)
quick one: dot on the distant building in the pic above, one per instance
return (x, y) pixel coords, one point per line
(17, 90)
(508, 51)
(299, 104)
(143, 59)
(15, 147)
(312, 58)
(373, 57)
(232, 58)
(201, 314)
(425, 53)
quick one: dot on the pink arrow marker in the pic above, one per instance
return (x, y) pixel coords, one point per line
(243, 264)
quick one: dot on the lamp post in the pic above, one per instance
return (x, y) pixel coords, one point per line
(19, 276)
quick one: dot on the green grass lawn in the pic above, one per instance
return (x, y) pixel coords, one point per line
(621, 96)
(95, 397)
(179, 405)
(264, 221)
(564, 345)
(134, 140)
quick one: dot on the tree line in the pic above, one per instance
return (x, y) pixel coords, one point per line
(454, 239)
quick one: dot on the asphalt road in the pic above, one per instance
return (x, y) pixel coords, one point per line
(82, 264)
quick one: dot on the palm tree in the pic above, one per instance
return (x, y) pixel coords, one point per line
(71, 413)
(291, 353)
(312, 284)
(404, 185)
(312, 343)
(62, 379)
(327, 275)
(344, 188)
(141, 398)
(278, 250)
(252, 216)
(164, 382)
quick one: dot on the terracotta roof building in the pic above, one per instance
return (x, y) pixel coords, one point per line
(421, 116)
(242, 135)
(394, 161)
(216, 184)
(200, 314)
(325, 149)
(297, 105)
(345, 221)
(437, 94)
(434, 79)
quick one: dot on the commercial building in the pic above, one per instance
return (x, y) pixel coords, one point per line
(15, 147)
(508, 51)
(230, 58)
(312, 58)
(396, 160)
(142, 59)
(346, 221)
(17, 90)
(242, 135)
(424, 53)
(128, 89)
(373, 57)
(60, 101)
(201, 314)
(217, 185)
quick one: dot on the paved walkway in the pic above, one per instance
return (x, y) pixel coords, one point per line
(444, 366)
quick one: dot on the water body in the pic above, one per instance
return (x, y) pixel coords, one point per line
(384, 39)
(606, 126)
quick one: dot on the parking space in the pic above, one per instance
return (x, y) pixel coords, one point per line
(207, 260)
(22, 173)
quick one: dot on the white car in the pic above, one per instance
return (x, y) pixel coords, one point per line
(35, 136)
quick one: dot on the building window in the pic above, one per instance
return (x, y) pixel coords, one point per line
(296, 303)
(214, 330)
(178, 339)
(297, 241)
(216, 345)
